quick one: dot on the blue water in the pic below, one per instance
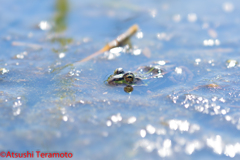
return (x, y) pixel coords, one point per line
(51, 104)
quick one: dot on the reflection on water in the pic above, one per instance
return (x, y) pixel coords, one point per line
(60, 18)
(48, 103)
(60, 26)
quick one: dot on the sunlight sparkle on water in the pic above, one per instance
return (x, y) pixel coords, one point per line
(178, 124)
(166, 149)
(217, 42)
(164, 36)
(149, 146)
(178, 70)
(231, 63)
(211, 42)
(44, 25)
(113, 53)
(137, 52)
(153, 13)
(3, 70)
(21, 55)
(161, 36)
(194, 128)
(108, 123)
(177, 18)
(219, 146)
(61, 55)
(16, 111)
(231, 150)
(150, 129)
(143, 133)
(81, 101)
(228, 7)
(167, 143)
(216, 144)
(223, 111)
(222, 100)
(65, 118)
(228, 118)
(16, 108)
(197, 61)
(212, 33)
(161, 132)
(116, 50)
(192, 146)
(205, 25)
(132, 120)
(161, 62)
(192, 17)
(139, 35)
(116, 118)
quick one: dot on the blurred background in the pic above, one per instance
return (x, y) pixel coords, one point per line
(52, 104)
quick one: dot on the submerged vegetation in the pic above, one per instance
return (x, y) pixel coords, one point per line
(181, 71)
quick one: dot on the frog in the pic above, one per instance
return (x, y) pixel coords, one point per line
(119, 77)
(155, 71)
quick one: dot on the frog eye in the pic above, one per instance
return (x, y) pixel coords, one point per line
(129, 77)
(118, 71)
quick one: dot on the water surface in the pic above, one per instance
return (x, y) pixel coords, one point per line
(49, 103)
